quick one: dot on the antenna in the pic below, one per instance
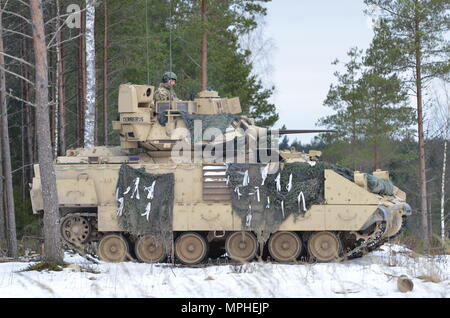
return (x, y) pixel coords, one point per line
(146, 35)
(170, 36)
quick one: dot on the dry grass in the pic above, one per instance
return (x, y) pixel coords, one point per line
(416, 244)
(426, 264)
(430, 279)
(242, 268)
(45, 266)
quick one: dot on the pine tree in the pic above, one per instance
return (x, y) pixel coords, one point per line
(419, 50)
(345, 98)
(284, 144)
(372, 110)
(52, 237)
(388, 115)
(296, 145)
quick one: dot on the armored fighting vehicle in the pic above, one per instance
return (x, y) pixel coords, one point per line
(194, 180)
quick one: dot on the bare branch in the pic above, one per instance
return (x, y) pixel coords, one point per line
(6, 3)
(67, 40)
(17, 75)
(17, 15)
(24, 3)
(16, 32)
(54, 36)
(17, 59)
(20, 99)
(63, 15)
(24, 166)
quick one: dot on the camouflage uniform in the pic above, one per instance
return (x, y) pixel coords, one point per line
(165, 93)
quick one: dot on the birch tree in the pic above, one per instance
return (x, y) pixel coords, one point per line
(444, 166)
(442, 119)
(89, 127)
(81, 58)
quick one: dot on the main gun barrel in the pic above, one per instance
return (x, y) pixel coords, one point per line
(300, 131)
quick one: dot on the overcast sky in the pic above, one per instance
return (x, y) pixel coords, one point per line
(307, 37)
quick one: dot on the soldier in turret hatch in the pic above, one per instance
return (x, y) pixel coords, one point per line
(165, 90)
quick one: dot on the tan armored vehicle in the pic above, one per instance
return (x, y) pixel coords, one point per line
(159, 196)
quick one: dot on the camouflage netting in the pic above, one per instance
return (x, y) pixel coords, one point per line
(263, 207)
(218, 121)
(145, 203)
(380, 186)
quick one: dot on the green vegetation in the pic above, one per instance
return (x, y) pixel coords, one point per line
(46, 266)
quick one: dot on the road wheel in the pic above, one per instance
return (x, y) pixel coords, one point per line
(241, 246)
(285, 246)
(149, 249)
(190, 248)
(324, 246)
(75, 229)
(113, 248)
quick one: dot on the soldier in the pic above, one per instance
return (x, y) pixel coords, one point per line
(165, 90)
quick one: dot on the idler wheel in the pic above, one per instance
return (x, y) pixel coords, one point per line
(241, 246)
(149, 249)
(190, 248)
(113, 248)
(324, 246)
(75, 229)
(285, 246)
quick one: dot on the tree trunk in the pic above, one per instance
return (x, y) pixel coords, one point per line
(204, 50)
(376, 149)
(444, 164)
(29, 133)
(105, 78)
(7, 169)
(81, 81)
(89, 119)
(2, 206)
(28, 110)
(22, 140)
(60, 83)
(422, 171)
(52, 239)
(376, 158)
(54, 107)
(353, 142)
(23, 121)
(430, 217)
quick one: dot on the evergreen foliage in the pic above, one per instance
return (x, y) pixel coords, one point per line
(371, 109)
(145, 39)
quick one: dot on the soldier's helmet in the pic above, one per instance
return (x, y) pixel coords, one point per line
(169, 76)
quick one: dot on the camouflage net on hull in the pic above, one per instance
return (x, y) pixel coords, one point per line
(380, 186)
(145, 203)
(264, 201)
(218, 121)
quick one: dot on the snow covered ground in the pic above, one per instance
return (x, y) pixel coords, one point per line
(374, 275)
